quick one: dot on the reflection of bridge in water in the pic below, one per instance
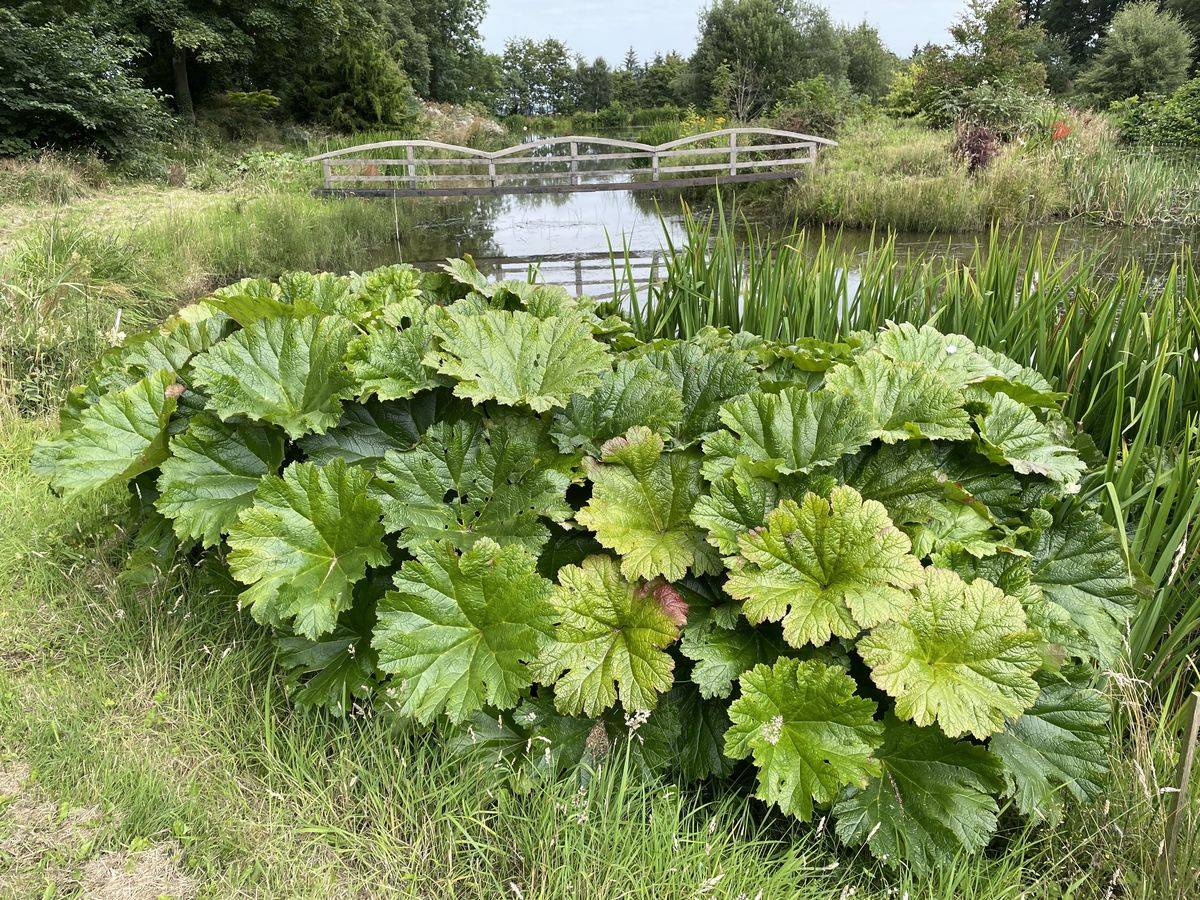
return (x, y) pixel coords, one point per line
(572, 164)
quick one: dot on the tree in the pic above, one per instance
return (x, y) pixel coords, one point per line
(536, 77)
(70, 83)
(664, 81)
(593, 84)
(1144, 52)
(451, 28)
(869, 64)
(1078, 23)
(992, 43)
(773, 42)
(1189, 13)
(359, 85)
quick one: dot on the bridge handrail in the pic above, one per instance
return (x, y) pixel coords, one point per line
(733, 166)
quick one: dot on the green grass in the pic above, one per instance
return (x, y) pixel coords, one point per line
(160, 707)
(905, 176)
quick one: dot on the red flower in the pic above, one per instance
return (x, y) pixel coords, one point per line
(1061, 130)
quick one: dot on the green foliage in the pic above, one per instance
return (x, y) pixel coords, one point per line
(71, 83)
(1145, 51)
(357, 85)
(834, 560)
(1173, 121)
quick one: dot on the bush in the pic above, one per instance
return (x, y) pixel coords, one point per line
(358, 86)
(641, 118)
(864, 566)
(1000, 107)
(1146, 51)
(1173, 122)
(69, 84)
(816, 106)
(612, 118)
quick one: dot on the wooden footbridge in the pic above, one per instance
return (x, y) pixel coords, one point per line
(570, 164)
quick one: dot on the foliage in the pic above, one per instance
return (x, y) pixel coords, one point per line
(990, 47)
(589, 535)
(536, 77)
(1172, 122)
(764, 46)
(357, 85)
(1145, 51)
(70, 83)
(815, 106)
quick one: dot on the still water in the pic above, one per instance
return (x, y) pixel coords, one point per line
(568, 237)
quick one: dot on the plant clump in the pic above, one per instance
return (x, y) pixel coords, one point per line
(863, 569)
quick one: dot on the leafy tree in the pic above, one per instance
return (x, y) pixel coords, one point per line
(1188, 12)
(451, 30)
(1078, 23)
(763, 44)
(593, 84)
(1144, 52)
(70, 82)
(536, 77)
(664, 81)
(990, 44)
(869, 64)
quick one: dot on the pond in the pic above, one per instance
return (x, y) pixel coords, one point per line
(568, 237)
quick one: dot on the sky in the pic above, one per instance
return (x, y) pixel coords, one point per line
(608, 27)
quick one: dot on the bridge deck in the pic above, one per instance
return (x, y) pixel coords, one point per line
(730, 156)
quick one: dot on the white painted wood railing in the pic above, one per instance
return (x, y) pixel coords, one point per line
(571, 163)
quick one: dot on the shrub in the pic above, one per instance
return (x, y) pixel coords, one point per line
(862, 565)
(977, 146)
(1146, 51)
(816, 106)
(613, 117)
(1173, 122)
(69, 84)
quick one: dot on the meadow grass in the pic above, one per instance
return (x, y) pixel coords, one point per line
(902, 175)
(159, 709)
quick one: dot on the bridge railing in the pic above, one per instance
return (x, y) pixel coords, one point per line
(571, 163)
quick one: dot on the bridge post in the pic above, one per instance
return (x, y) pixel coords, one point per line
(574, 163)
(492, 172)
(733, 149)
(654, 165)
(412, 165)
(327, 171)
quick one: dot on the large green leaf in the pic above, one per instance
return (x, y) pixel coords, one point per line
(706, 378)
(1012, 434)
(698, 750)
(123, 435)
(367, 431)
(518, 359)
(305, 541)
(907, 478)
(459, 630)
(739, 501)
(932, 801)
(641, 503)
(1079, 566)
(796, 430)
(635, 393)
(903, 400)
(389, 364)
(963, 657)
(285, 371)
(212, 474)
(808, 731)
(466, 480)
(721, 655)
(825, 567)
(1059, 746)
(609, 642)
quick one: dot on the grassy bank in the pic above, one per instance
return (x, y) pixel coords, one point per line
(140, 748)
(905, 176)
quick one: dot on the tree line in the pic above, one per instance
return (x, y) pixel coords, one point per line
(114, 73)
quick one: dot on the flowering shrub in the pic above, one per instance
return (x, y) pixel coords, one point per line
(861, 569)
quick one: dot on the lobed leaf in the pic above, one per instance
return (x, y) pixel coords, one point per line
(809, 733)
(963, 656)
(825, 567)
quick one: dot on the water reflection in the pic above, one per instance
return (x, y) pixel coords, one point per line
(567, 237)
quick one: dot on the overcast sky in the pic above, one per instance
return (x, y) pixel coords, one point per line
(608, 27)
